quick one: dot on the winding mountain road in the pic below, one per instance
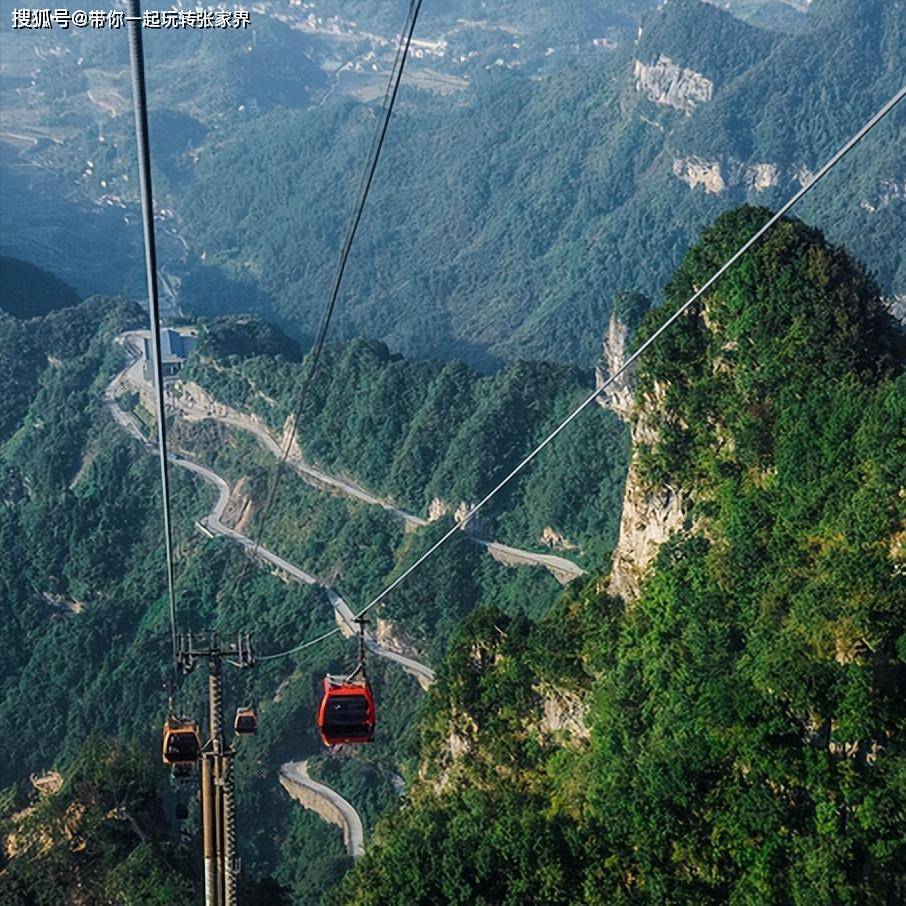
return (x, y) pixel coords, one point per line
(195, 404)
(214, 524)
(328, 803)
(293, 775)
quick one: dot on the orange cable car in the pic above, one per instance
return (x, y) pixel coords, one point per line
(347, 711)
(245, 722)
(181, 743)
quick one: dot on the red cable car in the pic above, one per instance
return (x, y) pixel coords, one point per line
(347, 712)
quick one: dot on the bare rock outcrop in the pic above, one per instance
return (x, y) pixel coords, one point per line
(47, 784)
(62, 604)
(239, 509)
(437, 509)
(897, 307)
(618, 396)
(563, 714)
(459, 747)
(388, 635)
(888, 192)
(650, 515)
(669, 84)
(725, 173)
(555, 540)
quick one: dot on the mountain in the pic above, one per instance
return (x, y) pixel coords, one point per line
(780, 15)
(692, 694)
(67, 144)
(743, 651)
(27, 291)
(432, 436)
(542, 160)
(82, 575)
(506, 218)
(721, 719)
(96, 834)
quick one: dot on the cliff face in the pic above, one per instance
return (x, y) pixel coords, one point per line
(752, 689)
(650, 517)
(618, 396)
(72, 838)
(671, 85)
(725, 174)
(650, 514)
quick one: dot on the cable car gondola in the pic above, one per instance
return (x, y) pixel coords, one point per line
(181, 744)
(346, 713)
(245, 722)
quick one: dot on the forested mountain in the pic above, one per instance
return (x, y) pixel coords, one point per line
(733, 732)
(27, 291)
(431, 436)
(512, 214)
(712, 710)
(542, 159)
(755, 668)
(98, 834)
(82, 576)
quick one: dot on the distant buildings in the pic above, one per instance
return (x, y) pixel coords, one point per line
(174, 350)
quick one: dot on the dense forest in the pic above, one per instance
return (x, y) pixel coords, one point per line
(27, 291)
(535, 201)
(514, 201)
(82, 579)
(737, 731)
(731, 735)
(724, 728)
(423, 432)
(101, 827)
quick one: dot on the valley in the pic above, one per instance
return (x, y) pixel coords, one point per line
(665, 663)
(488, 246)
(529, 698)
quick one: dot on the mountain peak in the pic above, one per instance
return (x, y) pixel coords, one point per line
(701, 37)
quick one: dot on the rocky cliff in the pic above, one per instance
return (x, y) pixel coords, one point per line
(650, 514)
(671, 85)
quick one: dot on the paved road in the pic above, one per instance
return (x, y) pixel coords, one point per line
(295, 773)
(342, 611)
(564, 570)
(345, 486)
(214, 524)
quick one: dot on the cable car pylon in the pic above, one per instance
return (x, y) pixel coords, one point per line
(218, 813)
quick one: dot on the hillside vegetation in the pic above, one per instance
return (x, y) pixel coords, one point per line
(82, 573)
(97, 835)
(543, 157)
(423, 432)
(27, 291)
(506, 217)
(733, 735)
(736, 733)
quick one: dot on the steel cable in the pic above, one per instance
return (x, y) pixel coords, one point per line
(803, 191)
(137, 61)
(369, 171)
